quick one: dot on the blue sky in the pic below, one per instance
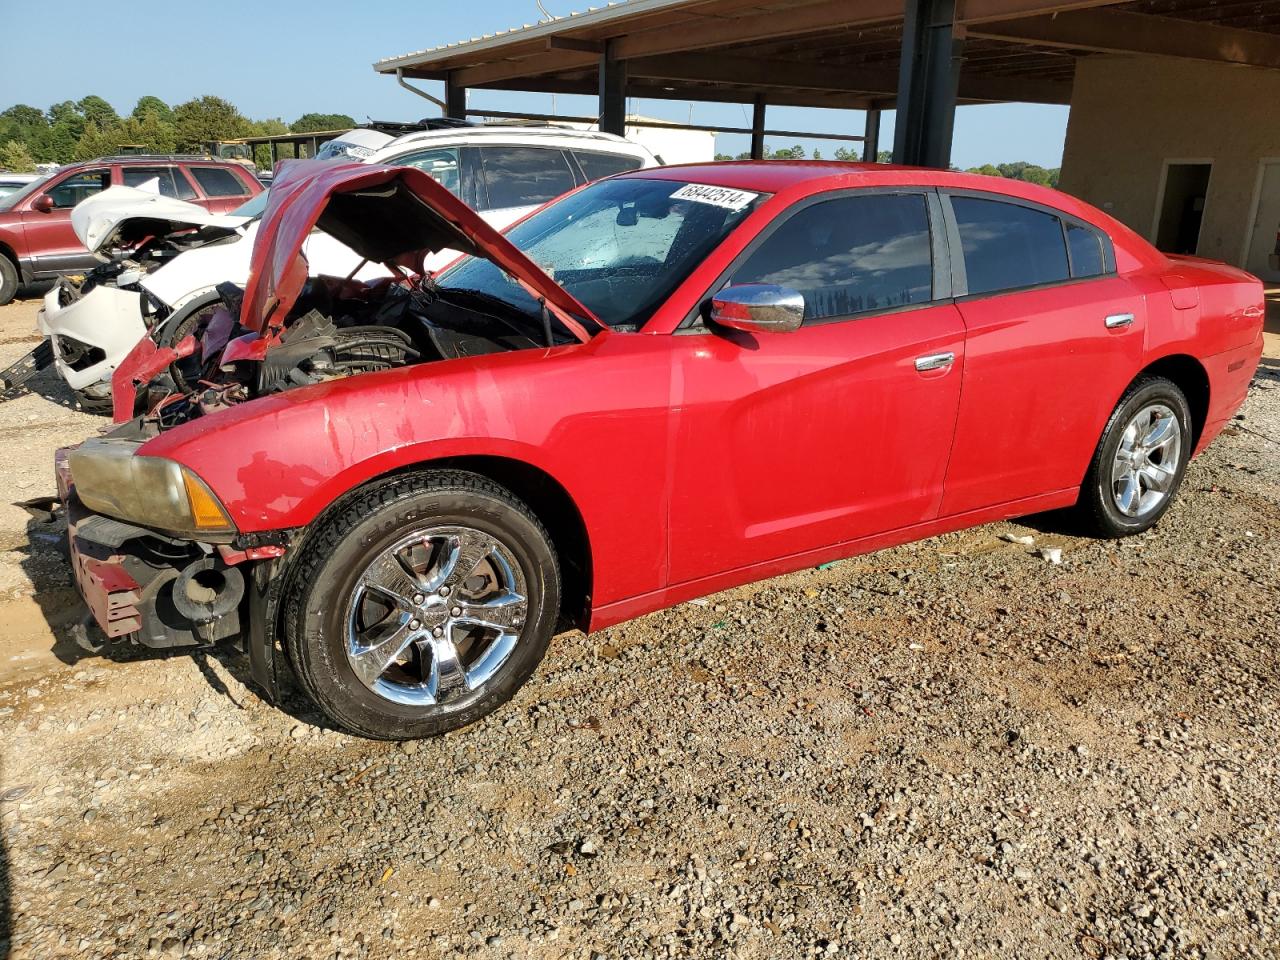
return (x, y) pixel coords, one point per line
(288, 58)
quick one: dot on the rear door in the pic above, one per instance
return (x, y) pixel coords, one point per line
(53, 243)
(1053, 338)
(788, 442)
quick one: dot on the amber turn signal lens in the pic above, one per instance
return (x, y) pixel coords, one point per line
(206, 512)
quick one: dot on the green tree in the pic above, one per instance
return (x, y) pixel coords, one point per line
(146, 105)
(96, 142)
(847, 153)
(206, 119)
(817, 154)
(151, 132)
(15, 157)
(311, 122)
(96, 110)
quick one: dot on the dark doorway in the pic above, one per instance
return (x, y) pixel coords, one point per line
(1182, 207)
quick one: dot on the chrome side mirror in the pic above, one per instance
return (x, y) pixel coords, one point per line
(758, 308)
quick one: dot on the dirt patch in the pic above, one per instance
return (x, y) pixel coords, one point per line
(953, 748)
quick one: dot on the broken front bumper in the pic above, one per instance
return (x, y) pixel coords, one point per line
(92, 333)
(157, 590)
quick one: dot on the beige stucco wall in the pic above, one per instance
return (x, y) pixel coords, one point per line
(1130, 114)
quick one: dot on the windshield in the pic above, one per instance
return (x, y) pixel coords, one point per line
(13, 199)
(252, 208)
(620, 246)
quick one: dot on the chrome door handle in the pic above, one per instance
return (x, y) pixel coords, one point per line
(935, 361)
(1119, 320)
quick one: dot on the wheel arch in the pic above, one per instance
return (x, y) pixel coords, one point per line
(546, 496)
(6, 251)
(1188, 375)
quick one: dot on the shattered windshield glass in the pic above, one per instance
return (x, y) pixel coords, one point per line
(620, 246)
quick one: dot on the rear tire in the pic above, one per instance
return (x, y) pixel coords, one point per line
(392, 625)
(8, 279)
(1140, 460)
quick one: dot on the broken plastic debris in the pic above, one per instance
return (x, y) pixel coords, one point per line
(1052, 554)
(828, 566)
(1026, 541)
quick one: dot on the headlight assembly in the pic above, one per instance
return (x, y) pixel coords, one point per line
(110, 478)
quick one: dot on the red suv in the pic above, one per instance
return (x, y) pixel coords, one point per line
(36, 239)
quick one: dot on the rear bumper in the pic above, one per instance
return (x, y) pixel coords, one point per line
(158, 591)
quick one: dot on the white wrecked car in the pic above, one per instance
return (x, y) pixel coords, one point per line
(164, 258)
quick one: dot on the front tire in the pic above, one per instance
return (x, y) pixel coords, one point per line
(8, 279)
(421, 604)
(1140, 461)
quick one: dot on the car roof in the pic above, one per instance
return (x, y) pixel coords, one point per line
(512, 131)
(796, 179)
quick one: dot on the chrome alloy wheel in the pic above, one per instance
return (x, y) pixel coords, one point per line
(435, 615)
(1146, 462)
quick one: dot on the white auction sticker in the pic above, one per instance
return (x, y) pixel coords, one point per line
(716, 196)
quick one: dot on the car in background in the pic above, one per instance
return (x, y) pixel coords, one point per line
(13, 182)
(169, 288)
(660, 386)
(37, 241)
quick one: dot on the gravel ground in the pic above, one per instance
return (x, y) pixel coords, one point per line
(954, 748)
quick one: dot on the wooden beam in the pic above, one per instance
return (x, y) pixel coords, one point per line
(1116, 31)
(799, 76)
(982, 11)
(573, 43)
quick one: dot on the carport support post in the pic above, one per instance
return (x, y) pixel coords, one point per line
(931, 55)
(871, 136)
(455, 99)
(613, 93)
(757, 127)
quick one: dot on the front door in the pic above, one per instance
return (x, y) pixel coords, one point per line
(53, 243)
(1053, 338)
(787, 442)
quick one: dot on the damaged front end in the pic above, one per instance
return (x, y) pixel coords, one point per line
(93, 321)
(157, 554)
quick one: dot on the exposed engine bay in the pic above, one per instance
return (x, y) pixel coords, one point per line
(338, 328)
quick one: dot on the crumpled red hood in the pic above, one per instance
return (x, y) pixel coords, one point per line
(394, 215)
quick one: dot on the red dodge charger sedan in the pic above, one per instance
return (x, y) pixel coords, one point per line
(658, 386)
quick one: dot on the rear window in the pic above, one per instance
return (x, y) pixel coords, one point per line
(1008, 246)
(1086, 251)
(219, 182)
(597, 165)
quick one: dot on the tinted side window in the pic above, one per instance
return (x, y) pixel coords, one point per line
(1007, 246)
(76, 188)
(524, 176)
(217, 182)
(137, 176)
(597, 165)
(1086, 251)
(849, 255)
(441, 164)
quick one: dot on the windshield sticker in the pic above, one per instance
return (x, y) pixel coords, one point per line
(716, 196)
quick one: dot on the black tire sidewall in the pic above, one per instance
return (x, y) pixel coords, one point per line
(319, 629)
(1154, 390)
(9, 280)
